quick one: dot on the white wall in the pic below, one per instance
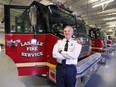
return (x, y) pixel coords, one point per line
(2, 37)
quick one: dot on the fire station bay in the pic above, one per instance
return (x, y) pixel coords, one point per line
(30, 29)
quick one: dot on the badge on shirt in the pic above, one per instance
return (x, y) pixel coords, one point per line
(71, 44)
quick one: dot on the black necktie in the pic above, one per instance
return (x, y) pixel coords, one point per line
(66, 46)
(65, 49)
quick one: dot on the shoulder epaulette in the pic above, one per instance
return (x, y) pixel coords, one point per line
(77, 40)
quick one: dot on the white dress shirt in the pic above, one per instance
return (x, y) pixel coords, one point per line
(71, 56)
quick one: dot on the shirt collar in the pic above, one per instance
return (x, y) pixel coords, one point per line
(68, 40)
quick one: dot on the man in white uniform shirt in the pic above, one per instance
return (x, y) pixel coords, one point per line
(66, 52)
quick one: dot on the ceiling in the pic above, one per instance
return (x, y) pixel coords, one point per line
(103, 16)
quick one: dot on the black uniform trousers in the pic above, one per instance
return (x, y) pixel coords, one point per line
(66, 75)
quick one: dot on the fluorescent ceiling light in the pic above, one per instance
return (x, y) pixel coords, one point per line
(112, 23)
(110, 30)
(111, 18)
(112, 13)
(93, 1)
(101, 3)
(112, 26)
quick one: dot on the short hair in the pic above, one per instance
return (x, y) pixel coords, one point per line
(69, 26)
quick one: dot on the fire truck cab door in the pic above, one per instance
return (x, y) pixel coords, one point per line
(25, 39)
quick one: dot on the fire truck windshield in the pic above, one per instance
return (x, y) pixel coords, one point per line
(59, 18)
(50, 19)
(20, 21)
(96, 33)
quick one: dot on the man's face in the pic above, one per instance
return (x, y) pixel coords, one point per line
(68, 32)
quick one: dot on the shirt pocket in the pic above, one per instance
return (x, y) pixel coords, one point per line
(61, 47)
(70, 48)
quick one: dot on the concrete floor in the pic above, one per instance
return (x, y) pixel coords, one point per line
(104, 77)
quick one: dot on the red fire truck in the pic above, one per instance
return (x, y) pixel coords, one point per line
(99, 42)
(31, 32)
(109, 41)
(97, 39)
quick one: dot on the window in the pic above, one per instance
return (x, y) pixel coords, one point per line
(20, 22)
(58, 19)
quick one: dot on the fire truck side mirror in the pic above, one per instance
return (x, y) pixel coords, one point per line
(33, 15)
(33, 19)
